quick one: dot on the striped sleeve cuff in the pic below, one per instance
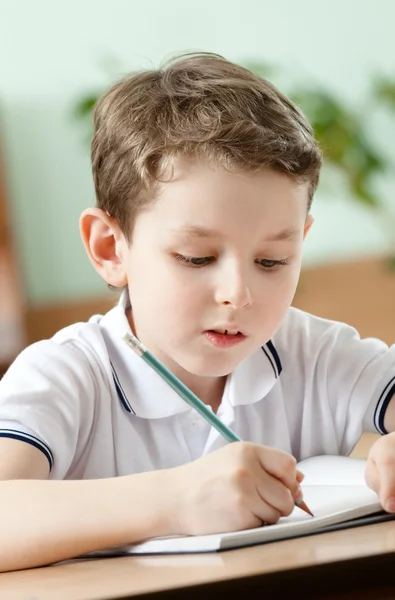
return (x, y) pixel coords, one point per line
(382, 405)
(30, 439)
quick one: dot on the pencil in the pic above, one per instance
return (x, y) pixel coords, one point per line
(187, 395)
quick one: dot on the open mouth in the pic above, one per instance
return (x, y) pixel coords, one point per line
(224, 338)
(226, 332)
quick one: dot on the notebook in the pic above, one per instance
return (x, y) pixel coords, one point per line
(334, 488)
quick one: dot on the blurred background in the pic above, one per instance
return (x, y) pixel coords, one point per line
(336, 58)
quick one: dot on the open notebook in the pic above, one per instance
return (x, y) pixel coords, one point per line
(334, 488)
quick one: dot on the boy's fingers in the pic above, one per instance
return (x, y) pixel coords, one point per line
(299, 476)
(280, 465)
(275, 494)
(380, 476)
(372, 476)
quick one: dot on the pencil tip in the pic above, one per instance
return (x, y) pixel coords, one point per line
(304, 507)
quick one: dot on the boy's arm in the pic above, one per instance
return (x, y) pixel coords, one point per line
(46, 521)
(22, 460)
(236, 487)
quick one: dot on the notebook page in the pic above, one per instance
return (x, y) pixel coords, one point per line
(330, 500)
(333, 470)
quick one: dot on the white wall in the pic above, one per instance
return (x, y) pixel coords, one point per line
(51, 52)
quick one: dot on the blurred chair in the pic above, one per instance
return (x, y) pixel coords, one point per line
(12, 337)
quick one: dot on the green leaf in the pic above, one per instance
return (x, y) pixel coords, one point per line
(385, 91)
(84, 107)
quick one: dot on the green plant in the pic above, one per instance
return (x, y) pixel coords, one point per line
(342, 133)
(342, 136)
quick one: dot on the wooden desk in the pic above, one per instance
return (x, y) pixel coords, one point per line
(350, 564)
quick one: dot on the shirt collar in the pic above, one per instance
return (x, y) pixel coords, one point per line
(144, 393)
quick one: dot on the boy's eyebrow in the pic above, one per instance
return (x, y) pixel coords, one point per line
(286, 234)
(196, 231)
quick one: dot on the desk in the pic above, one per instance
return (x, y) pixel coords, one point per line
(350, 564)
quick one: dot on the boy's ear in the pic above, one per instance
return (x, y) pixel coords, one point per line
(308, 223)
(103, 241)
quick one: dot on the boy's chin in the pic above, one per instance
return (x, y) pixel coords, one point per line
(206, 368)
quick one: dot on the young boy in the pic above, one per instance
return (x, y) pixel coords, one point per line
(204, 177)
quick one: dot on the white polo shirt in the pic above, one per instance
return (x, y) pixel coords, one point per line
(96, 409)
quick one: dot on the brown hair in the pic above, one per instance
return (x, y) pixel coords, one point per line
(198, 105)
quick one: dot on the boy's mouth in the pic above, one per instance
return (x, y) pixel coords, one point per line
(224, 338)
(227, 329)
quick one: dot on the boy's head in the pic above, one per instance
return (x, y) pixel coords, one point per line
(204, 176)
(199, 106)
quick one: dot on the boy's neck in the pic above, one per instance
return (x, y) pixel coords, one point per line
(209, 390)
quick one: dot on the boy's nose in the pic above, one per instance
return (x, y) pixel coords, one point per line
(236, 295)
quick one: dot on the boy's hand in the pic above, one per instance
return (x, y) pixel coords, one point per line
(237, 487)
(380, 470)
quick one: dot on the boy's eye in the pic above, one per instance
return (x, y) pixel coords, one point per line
(271, 265)
(194, 261)
(201, 261)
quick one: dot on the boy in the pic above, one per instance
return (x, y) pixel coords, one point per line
(204, 176)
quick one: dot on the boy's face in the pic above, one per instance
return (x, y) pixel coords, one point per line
(217, 250)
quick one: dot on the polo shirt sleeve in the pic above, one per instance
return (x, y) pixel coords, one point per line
(47, 400)
(357, 377)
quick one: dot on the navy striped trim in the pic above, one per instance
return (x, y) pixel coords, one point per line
(271, 362)
(382, 405)
(30, 439)
(273, 358)
(121, 394)
(276, 357)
